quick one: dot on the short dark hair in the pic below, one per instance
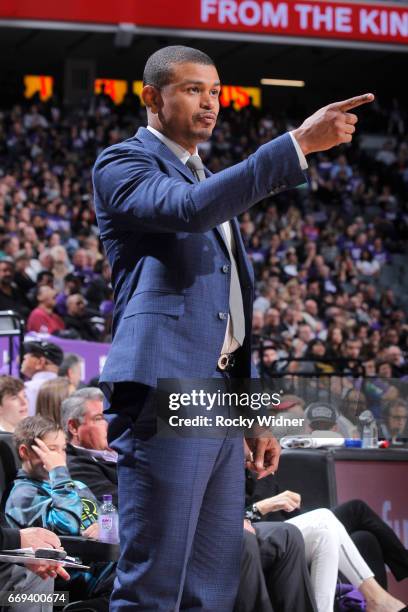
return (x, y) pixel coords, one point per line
(10, 386)
(43, 274)
(33, 427)
(158, 69)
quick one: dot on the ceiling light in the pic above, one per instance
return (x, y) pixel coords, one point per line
(283, 82)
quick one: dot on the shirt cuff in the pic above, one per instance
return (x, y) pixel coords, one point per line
(302, 159)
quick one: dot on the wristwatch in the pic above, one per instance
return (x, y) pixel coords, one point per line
(253, 514)
(256, 514)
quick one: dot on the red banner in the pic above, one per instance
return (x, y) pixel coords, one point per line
(348, 21)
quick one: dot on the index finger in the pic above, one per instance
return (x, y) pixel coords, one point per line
(267, 471)
(346, 105)
(273, 453)
(62, 573)
(260, 454)
(40, 452)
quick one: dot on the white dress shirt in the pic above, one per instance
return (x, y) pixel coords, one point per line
(230, 344)
(32, 388)
(107, 454)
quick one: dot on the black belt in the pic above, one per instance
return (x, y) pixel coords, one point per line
(226, 362)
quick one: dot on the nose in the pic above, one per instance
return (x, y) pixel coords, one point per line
(207, 101)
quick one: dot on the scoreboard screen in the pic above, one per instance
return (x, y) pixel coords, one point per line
(117, 89)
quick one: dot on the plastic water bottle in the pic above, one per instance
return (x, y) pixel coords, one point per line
(108, 522)
(370, 430)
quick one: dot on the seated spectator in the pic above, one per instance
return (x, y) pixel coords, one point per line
(40, 363)
(61, 266)
(274, 574)
(72, 285)
(395, 357)
(13, 403)
(367, 265)
(77, 318)
(325, 530)
(98, 289)
(82, 266)
(377, 390)
(267, 365)
(311, 314)
(316, 350)
(11, 297)
(257, 325)
(43, 319)
(384, 369)
(395, 420)
(71, 368)
(273, 326)
(351, 406)
(351, 352)
(88, 454)
(50, 396)
(321, 419)
(335, 339)
(44, 279)
(33, 579)
(44, 495)
(22, 280)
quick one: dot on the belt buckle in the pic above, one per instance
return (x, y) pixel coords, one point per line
(226, 361)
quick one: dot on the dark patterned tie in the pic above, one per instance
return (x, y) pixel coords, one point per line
(236, 305)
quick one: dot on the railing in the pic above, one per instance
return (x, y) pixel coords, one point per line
(342, 383)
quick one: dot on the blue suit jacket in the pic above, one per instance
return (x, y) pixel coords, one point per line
(170, 265)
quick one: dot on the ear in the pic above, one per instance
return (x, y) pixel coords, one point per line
(23, 452)
(72, 426)
(41, 363)
(151, 96)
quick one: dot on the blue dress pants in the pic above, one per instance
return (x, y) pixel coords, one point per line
(181, 502)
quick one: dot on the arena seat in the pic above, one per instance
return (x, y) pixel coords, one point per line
(310, 473)
(9, 464)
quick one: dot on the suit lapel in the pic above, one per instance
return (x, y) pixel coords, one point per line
(157, 146)
(241, 257)
(217, 229)
(221, 237)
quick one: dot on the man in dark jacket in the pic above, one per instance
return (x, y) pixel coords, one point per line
(11, 297)
(89, 457)
(77, 318)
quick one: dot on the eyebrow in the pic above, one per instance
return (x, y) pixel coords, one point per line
(189, 82)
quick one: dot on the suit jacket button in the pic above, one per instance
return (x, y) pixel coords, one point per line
(225, 268)
(222, 315)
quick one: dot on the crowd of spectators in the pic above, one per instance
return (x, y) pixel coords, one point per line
(320, 252)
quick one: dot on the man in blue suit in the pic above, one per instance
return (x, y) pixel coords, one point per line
(183, 301)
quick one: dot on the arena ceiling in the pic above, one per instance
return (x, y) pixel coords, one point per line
(329, 72)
